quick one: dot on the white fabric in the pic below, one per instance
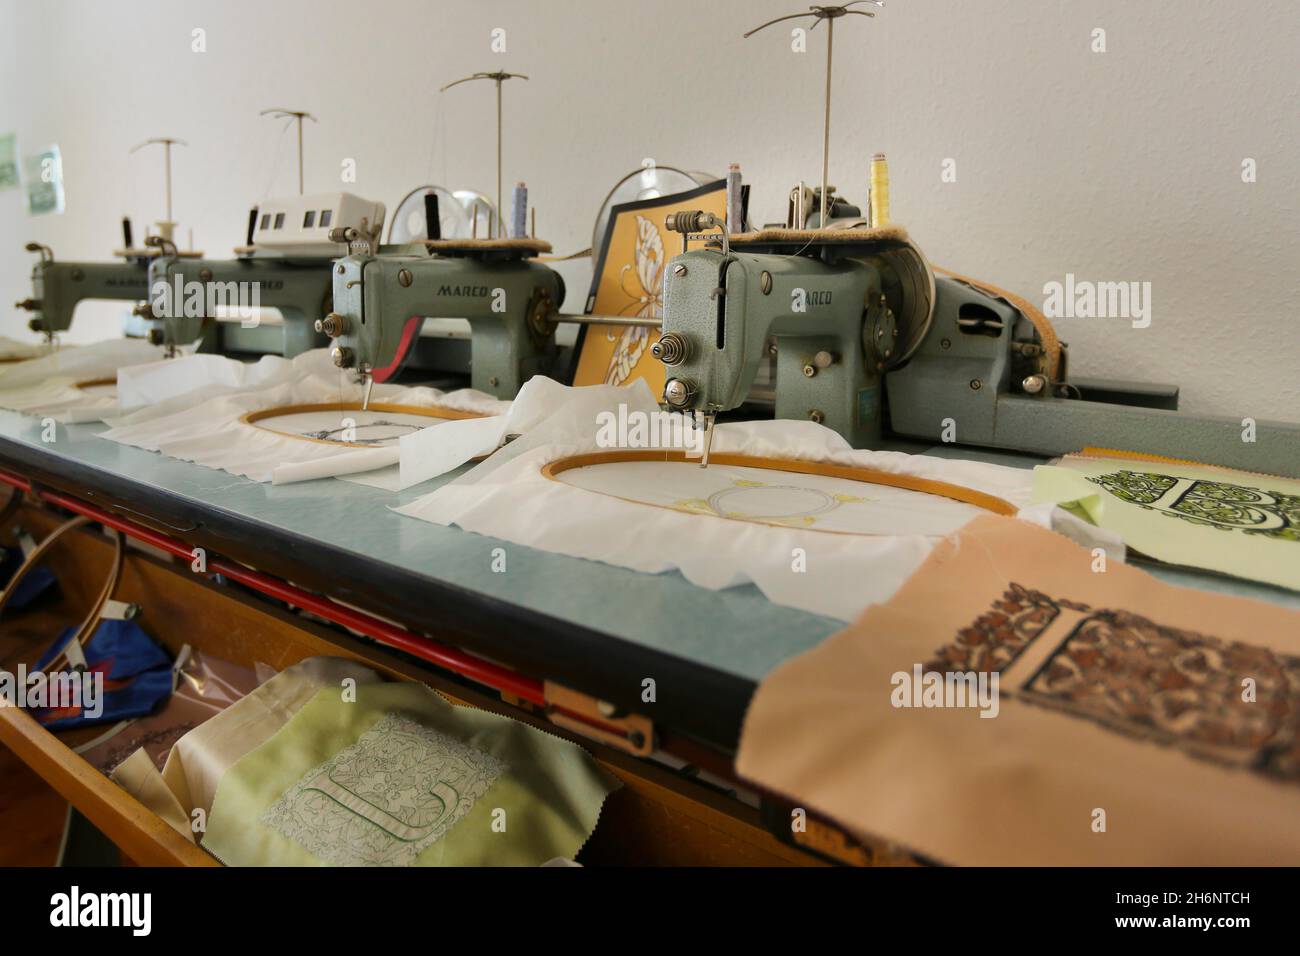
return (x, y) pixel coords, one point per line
(428, 454)
(160, 381)
(204, 425)
(12, 349)
(47, 386)
(822, 503)
(507, 497)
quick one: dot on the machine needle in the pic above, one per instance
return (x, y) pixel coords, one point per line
(706, 418)
(365, 398)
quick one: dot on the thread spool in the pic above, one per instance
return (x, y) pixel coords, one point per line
(879, 191)
(735, 206)
(519, 212)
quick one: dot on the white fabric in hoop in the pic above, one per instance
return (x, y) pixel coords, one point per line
(11, 350)
(813, 502)
(49, 386)
(206, 425)
(793, 564)
(428, 454)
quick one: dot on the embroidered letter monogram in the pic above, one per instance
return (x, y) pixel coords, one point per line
(385, 799)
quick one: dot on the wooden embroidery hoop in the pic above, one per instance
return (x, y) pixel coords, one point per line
(94, 383)
(425, 411)
(872, 476)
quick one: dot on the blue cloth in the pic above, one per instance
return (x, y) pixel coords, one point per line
(37, 582)
(137, 675)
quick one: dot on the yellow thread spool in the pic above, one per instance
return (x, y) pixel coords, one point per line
(879, 191)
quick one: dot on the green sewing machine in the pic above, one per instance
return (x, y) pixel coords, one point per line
(285, 265)
(859, 334)
(383, 295)
(382, 298)
(59, 287)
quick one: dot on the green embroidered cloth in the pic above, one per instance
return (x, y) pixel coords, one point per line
(401, 777)
(1234, 522)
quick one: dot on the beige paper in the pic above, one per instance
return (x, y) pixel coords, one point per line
(1136, 723)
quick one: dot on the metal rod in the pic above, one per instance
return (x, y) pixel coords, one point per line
(826, 125)
(167, 159)
(167, 143)
(638, 321)
(298, 116)
(499, 206)
(830, 14)
(499, 77)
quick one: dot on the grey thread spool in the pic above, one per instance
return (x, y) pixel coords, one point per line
(519, 212)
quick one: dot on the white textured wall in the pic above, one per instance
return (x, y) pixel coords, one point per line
(1117, 166)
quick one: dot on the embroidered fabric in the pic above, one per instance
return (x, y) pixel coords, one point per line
(351, 811)
(793, 564)
(1234, 522)
(198, 761)
(401, 777)
(207, 426)
(1132, 722)
(427, 454)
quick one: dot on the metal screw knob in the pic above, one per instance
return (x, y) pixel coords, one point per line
(332, 325)
(671, 349)
(343, 357)
(678, 392)
(1033, 384)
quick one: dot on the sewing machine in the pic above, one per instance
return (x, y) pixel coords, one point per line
(859, 334)
(285, 265)
(865, 338)
(58, 287)
(382, 297)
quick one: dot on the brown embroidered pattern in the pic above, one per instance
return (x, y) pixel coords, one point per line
(999, 635)
(1174, 687)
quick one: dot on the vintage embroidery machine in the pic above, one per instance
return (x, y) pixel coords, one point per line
(286, 260)
(866, 339)
(382, 295)
(59, 287)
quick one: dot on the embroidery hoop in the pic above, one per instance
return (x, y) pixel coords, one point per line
(423, 411)
(90, 383)
(872, 476)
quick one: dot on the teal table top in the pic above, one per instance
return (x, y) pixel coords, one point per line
(735, 631)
